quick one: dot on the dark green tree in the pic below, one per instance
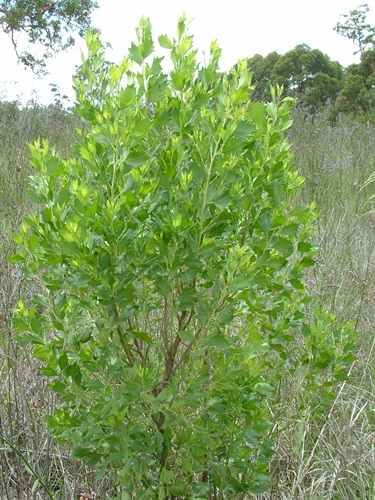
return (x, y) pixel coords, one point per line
(358, 93)
(356, 29)
(48, 23)
(305, 73)
(262, 70)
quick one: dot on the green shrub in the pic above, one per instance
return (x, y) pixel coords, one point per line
(171, 254)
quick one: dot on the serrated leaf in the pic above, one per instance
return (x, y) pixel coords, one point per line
(135, 54)
(240, 96)
(271, 108)
(115, 73)
(57, 387)
(185, 45)
(282, 245)
(165, 42)
(304, 247)
(127, 96)
(178, 80)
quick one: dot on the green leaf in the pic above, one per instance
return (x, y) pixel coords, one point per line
(178, 488)
(89, 457)
(141, 335)
(187, 299)
(58, 387)
(85, 336)
(178, 80)
(18, 238)
(33, 242)
(40, 300)
(115, 73)
(240, 282)
(186, 334)
(271, 109)
(297, 284)
(252, 437)
(305, 247)
(165, 42)
(136, 158)
(240, 96)
(264, 388)
(265, 223)
(127, 96)
(69, 247)
(135, 54)
(36, 324)
(282, 245)
(184, 46)
(24, 339)
(217, 340)
(14, 259)
(302, 213)
(35, 197)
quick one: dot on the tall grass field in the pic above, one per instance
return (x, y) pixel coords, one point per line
(332, 459)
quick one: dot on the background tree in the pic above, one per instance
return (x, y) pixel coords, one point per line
(46, 22)
(262, 70)
(305, 73)
(355, 28)
(309, 75)
(358, 92)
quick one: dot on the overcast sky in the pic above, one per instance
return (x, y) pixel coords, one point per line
(242, 27)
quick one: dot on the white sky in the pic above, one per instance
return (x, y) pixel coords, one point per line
(242, 27)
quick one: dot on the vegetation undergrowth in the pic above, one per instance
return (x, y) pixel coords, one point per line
(320, 424)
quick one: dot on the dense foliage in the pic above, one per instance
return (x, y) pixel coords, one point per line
(47, 23)
(358, 92)
(305, 73)
(170, 256)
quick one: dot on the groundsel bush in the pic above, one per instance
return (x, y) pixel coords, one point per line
(170, 254)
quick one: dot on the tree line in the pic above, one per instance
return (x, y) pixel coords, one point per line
(315, 80)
